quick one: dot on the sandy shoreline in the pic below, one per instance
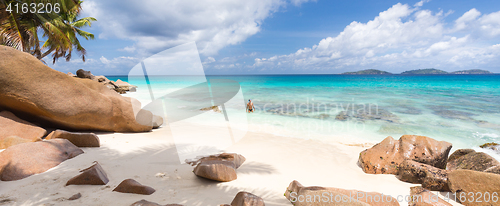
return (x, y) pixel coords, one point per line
(150, 158)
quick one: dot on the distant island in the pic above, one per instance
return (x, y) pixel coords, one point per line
(472, 71)
(367, 71)
(418, 71)
(425, 71)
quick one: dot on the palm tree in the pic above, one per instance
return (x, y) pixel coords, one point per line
(20, 30)
(69, 26)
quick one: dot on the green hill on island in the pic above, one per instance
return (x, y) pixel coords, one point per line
(472, 71)
(368, 71)
(425, 71)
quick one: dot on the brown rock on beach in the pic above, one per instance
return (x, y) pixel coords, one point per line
(220, 167)
(237, 159)
(430, 177)
(422, 197)
(247, 199)
(78, 139)
(477, 161)
(385, 157)
(75, 196)
(459, 153)
(336, 197)
(124, 85)
(492, 145)
(148, 203)
(16, 163)
(14, 130)
(132, 186)
(218, 170)
(473, 186)
(84, 74)
(94, 175)
(32, 88)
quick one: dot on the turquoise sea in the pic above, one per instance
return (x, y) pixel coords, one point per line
(461, 109)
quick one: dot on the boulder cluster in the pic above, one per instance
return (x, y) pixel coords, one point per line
(423, 160)
(40, 106)
(118, 86)
(419, 160)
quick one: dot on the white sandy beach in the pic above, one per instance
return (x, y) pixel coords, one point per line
(150, 158)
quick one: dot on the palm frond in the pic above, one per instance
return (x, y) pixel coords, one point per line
(21, 31)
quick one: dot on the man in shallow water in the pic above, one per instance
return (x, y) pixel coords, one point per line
(250, 107)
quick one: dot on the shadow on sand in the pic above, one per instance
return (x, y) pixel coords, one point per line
(157, 166)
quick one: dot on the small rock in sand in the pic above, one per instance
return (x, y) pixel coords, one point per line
(132, 186)
(94, 175)
(75, 196)
(148, 203)
(221, 167)
(247, 199)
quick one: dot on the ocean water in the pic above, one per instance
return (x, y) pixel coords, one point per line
(461, 109)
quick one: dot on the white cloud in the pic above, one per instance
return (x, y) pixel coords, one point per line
(128, 49)
(157, 24)
(490, 24)
(466, 19)
(209, 60)
(119, 61)
(299, 2)
(104, 60)
(399, 38)
(421, 3)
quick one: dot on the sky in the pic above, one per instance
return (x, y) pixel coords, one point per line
(294, 36)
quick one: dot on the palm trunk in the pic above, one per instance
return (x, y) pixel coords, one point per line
(46, 53)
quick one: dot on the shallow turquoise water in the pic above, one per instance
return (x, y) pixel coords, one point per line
(462, 109)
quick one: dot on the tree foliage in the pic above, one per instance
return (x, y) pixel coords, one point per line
(59, 30)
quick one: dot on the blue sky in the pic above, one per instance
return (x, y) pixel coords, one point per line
(295, 36)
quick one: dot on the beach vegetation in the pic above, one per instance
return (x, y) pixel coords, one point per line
(41, 32)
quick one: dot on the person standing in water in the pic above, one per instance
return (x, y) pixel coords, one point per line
(250, 107)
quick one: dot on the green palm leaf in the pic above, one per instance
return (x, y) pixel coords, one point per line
(21, 30)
